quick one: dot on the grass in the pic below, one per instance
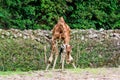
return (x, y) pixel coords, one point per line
(5, 73)
(49, 74)
(77, 70)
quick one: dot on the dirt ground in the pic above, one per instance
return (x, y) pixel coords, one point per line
(69, 74)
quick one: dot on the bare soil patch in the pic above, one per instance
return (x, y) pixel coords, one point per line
(69, 74)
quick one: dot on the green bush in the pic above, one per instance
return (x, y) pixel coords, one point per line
(92, 53)
(43, 14)
(21, 54)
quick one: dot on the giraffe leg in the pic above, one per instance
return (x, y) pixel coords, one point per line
(48, 65)
(51, 54)
(49, 61)
(63, 60)
(56, 56)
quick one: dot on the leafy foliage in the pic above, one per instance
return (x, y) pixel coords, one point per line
(21, 54)
(43, 14)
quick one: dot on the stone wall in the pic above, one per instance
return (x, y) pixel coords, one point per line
(83, 35)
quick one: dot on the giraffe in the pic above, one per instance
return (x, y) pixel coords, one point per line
(61, 31)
